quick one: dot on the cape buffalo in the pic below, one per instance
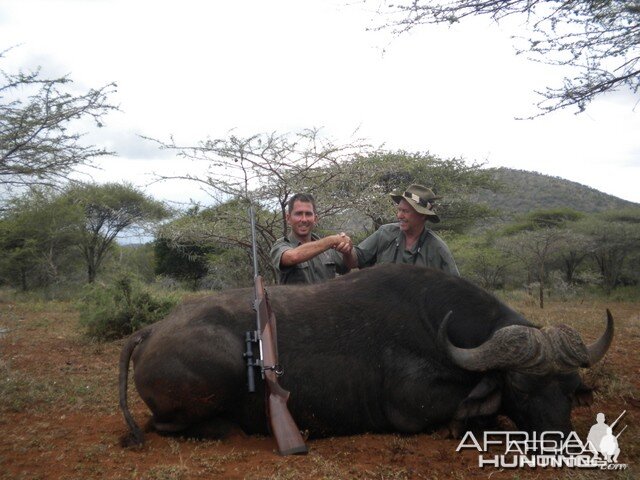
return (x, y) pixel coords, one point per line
(393, 348)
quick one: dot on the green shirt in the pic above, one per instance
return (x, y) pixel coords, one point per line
(321, 267)
(386, 245)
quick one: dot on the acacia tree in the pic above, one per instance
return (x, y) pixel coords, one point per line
(263, 170)
(575, 253)
(536, 239)
(381, 173)
(187, 264)
(224, 228)
(481, 260)
(534, 249)
(37, 234)
(267, 169)
(182, 258)
(615, 237)
(599, 39)
(108, 210)
(39, 139)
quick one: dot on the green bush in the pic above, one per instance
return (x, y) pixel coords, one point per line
(115, 311)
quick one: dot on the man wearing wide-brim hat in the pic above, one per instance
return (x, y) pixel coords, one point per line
(408, 240)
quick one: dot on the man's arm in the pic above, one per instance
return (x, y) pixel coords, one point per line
(349, 256)
(447, 263)
(365, 254)
(307, 251)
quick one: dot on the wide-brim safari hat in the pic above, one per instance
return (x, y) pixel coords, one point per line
(421, 199)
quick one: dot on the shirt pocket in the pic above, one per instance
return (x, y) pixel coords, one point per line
(329, 268)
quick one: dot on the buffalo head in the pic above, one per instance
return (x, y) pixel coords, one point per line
(531, 374)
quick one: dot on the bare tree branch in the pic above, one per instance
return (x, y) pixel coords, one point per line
(38, 142)
(598, 39)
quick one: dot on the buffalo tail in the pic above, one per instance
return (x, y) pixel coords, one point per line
(135, 436)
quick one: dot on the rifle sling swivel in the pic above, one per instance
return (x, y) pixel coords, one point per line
(277, 369)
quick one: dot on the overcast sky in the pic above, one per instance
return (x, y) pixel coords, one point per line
(197, 69)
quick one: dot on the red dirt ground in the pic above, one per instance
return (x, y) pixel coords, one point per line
(59, 414)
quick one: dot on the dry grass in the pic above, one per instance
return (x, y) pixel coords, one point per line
(60, 420)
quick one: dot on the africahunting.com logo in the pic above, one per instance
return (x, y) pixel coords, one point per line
(549, 449)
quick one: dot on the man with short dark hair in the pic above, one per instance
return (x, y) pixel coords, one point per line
(304, 257)
(408, 240)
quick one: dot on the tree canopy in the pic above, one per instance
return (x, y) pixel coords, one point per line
(350, 182)
(600, 40)
(109, 209)
(268, 169)
(43, 231)
(37, 233)
(616, 237)
(39, 140)
(382, 172)
(535, 240)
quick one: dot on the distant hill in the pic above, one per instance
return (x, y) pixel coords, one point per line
(527, 191)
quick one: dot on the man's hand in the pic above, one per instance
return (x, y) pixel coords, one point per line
(343, 243)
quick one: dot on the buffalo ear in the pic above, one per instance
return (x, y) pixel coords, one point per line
(582, 396)
(483, 400)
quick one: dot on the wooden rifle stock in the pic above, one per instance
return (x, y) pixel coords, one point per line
(284, 428)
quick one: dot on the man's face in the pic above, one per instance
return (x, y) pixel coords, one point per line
(302, 219)
(410, 221)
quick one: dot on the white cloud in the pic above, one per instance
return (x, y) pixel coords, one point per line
(196, 69)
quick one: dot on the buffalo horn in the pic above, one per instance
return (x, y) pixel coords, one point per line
(508, 348)
(526, 349)
(597, 349)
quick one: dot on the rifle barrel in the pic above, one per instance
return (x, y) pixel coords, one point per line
(625, 427)
(254, 243)
(619, 417)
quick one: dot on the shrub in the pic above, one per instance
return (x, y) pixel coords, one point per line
(117, 310)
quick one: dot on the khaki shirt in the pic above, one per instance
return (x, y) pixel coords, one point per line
(386, 245)
(320, 268)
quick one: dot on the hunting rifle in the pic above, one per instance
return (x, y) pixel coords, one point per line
(283, 427)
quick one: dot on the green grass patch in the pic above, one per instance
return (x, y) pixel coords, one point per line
(20, 392)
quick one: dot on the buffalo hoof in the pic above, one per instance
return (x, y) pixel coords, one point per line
(455, 429)
(132, 441)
